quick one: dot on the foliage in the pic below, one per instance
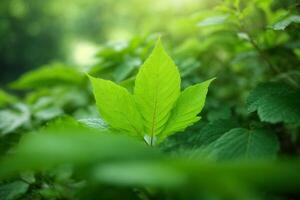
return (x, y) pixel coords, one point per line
(55, 145)
(46, 76)
(275, 102)
(137, 165)
(157, 108)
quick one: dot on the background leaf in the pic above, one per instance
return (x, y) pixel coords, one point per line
(49, 75)
(240, 143)
(11, 120)
(6, 98)
(275, 102)
(214, 130)
(287, 21)
(13, 190)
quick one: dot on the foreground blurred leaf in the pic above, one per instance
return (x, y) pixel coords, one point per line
(241, 143)
(275, 102)
(69, 142)
(113, 159)
(140, 173)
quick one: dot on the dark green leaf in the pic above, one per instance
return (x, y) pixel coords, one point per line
(13, 190)
(241, 143)
(275, 102)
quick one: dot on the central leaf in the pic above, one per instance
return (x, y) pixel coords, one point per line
(157, 109)
(157, 88)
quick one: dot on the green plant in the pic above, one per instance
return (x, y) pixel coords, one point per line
(54, 145)
(157, 108)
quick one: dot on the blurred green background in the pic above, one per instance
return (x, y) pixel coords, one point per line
(37, 32)
(34, 33)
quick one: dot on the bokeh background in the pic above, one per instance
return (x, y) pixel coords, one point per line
(34, 33)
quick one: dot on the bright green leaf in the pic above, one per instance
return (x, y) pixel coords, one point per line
(117, 107)
(157, 88)
(187, 107)
(157, 98)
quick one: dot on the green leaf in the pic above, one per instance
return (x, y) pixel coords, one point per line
(6, 98)
(275, 102)
(13, 119)
(214, 20)
(13, 190)
(198, 136)
(49, 75)
(284, 23)
(117, 107)
(66, 141)
(140, 173)
(96, 123)
(95, 155)
(240, 143)
(157, 88)
(214, 130)
(156, 93)
(187, 107)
